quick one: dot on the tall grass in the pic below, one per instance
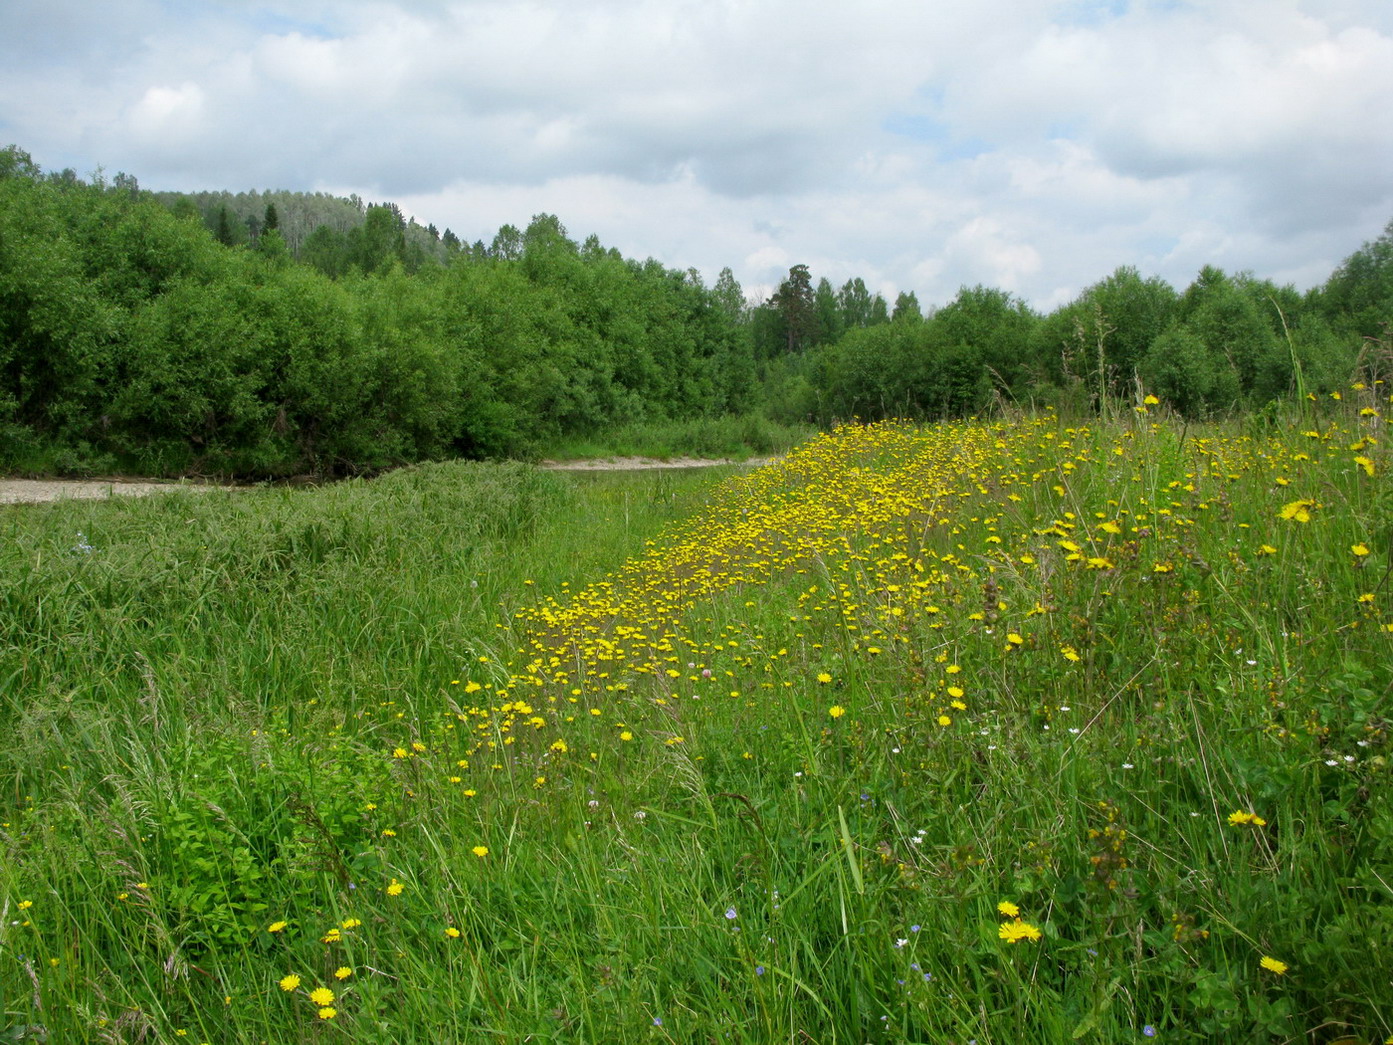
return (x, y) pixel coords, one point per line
(997, 732)
(731, 436)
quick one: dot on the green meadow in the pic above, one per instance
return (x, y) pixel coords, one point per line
(1018, 730)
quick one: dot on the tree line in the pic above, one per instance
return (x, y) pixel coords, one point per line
(1226, 343)
(129, 332)
(266, 334)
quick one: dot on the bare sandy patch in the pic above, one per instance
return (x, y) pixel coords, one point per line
(40, 491)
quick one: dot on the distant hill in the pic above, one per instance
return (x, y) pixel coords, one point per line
(299, 214)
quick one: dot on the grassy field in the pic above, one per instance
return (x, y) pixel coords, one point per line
(1007, 732)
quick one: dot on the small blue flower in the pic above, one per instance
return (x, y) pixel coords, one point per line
(657, 1021)
(1149, 1031)
(759, 970)
(731, 914)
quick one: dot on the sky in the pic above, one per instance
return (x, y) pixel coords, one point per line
(923, 145)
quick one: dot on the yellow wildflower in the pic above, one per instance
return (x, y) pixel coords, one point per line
(1016, 930)
(1297, 511)
(1240, 818)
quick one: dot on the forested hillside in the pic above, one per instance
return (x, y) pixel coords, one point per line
(129, 332)
(264, 334)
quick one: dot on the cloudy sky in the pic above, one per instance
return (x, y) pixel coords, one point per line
(921, 144)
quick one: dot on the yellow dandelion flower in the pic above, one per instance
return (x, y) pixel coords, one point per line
(289, 983)
(343, 972)
(1151, 400)
(395, 888)
(944, 720)
(1359, 550)
(1009, 909)
(1297, 511)
(322, 996)
(328, 1012)
(1266, 549)
(823, 677)
(1014, 640)
(480, 850)
(1241, 818)
(1366, 464)
(1273, 965)
(276, 927)
(1015, 931)
(836, 711)
(452, 932)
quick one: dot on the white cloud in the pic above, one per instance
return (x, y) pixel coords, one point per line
(1030, 146)
(168, 112)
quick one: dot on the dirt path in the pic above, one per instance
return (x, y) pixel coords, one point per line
(40, 491)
